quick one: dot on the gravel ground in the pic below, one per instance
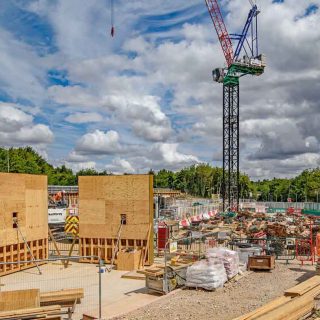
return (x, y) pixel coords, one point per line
(233, 300)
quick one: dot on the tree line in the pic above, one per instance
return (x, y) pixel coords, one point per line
(27, 160)
(200, 180)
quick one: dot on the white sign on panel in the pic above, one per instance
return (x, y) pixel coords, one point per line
(57, 215)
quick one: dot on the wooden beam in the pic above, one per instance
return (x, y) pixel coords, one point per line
(303, 287)
(29, 312)
(66, 262)
(265, 308)
(54, 242)
(147, 245)
(19, 299)
(294, 309)
(61, 296)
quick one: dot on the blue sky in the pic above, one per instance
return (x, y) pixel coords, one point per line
(145, 99)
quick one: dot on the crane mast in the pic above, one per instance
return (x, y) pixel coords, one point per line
(251, 63)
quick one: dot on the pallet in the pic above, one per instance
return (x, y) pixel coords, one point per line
(134, 275)
(104, 248)
(19, 252)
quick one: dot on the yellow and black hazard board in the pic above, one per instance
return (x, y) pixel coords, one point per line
(72, 225)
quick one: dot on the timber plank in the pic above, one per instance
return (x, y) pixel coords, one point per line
(134, 275)
(294, 309)
(265, 308)
(61, 296)
(30, 312)
(303, 287)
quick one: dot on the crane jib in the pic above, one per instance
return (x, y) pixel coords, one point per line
(223, 35)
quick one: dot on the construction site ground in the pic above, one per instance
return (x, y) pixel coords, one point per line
(118, 295)
(235, 299)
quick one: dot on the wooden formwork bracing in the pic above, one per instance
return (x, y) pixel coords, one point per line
(105, 247)
(19, 252)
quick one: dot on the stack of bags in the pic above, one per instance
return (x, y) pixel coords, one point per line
(229, 258)
(208, 274)
(220, 265)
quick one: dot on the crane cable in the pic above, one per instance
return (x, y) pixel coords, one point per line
(112, 32)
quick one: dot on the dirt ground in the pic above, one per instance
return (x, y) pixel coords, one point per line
(229, 302)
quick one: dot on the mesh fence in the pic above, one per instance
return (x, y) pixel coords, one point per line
(65, 245)
(53, 275)
(195, 246)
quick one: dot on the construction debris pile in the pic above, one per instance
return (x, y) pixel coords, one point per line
(220, 245)
(255, 225)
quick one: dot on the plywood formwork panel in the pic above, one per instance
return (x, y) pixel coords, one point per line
(24, 197)
(102, 201)
(36, 217)
(12, 186)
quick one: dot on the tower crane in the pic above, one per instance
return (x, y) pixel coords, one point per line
(251, 63)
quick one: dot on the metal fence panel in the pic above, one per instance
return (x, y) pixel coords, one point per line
(55, 277)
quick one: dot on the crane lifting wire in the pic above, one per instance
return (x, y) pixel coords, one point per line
(112, 32)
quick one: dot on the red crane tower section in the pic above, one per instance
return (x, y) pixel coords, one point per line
(221, 30)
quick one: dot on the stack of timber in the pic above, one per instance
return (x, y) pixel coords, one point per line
(23, 198)
(103, 202)
(31, 304)
(297, 302)
(25, 304)
(40, 313)
(64, 298)
(19, 299)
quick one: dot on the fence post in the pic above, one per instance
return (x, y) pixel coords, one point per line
(100, 287)
(165, 269)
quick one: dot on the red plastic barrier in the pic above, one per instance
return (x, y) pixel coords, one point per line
(163, 236)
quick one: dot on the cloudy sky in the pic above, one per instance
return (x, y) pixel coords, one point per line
(145, 99)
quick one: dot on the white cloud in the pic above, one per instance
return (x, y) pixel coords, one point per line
(168, 153)
(76, 157)
(280, 138)
(99, 142)
(12, 118)
(84, 117)
(23, 72)
(281, 168)
(155, 88)
(77, 166)
(17, 128)
(38, 133)
(119, 166)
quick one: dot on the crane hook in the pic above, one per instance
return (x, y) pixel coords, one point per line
(112, 32)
